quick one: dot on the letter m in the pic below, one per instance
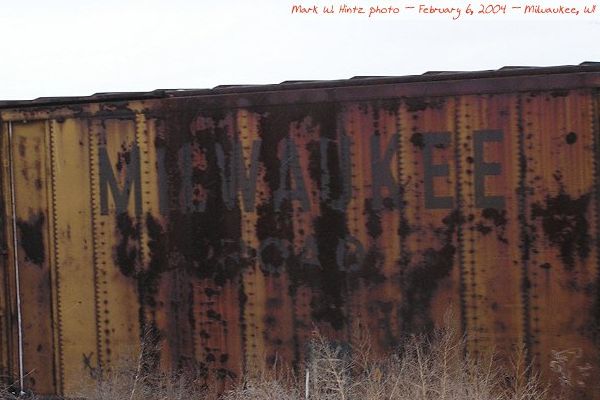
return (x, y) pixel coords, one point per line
(108, 180)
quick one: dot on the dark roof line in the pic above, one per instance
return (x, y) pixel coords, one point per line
(430, 76)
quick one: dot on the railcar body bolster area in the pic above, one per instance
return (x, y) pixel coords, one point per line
(227, 223)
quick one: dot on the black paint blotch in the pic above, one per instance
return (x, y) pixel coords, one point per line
(559, 93)
(483, 229)
(127, 248)
(32, 238)
(571, 138)
(421, 280)
(404, 229)
(212, 314)
(417, 140)
(123, 157)
(149, 278)
(565, 225)
(374, 228)
(421, 104)
(498, 217)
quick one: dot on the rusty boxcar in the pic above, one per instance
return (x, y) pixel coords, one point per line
(232, 221)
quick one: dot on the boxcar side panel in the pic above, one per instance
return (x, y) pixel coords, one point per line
(71, 195)
(491, 233)
(216, 237)
(34, 227)
(560, 211)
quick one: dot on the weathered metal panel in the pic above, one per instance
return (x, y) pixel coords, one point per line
(219, 231)
(491, 240)
(8, 346)
(116, 226)
(562, 265)
(371, 183)
(429, 264)
(73, 252)
(31, 180)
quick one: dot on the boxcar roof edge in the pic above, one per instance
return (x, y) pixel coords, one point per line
(358, 81)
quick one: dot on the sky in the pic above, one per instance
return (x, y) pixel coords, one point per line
(77, 48)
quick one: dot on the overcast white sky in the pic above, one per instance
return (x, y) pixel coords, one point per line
(67, 47)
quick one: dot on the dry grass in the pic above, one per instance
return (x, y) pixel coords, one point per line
(435, 367)
(427, 368)
(127, 385)
(9, 390)
(133, 379)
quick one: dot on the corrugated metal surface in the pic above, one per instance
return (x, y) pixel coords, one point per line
(233, 221)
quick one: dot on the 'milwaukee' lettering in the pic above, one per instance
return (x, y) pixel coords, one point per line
(482, 169)
(345, 173)
(290, 166)
(381, 173)
(108, 180)
(237, 178)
